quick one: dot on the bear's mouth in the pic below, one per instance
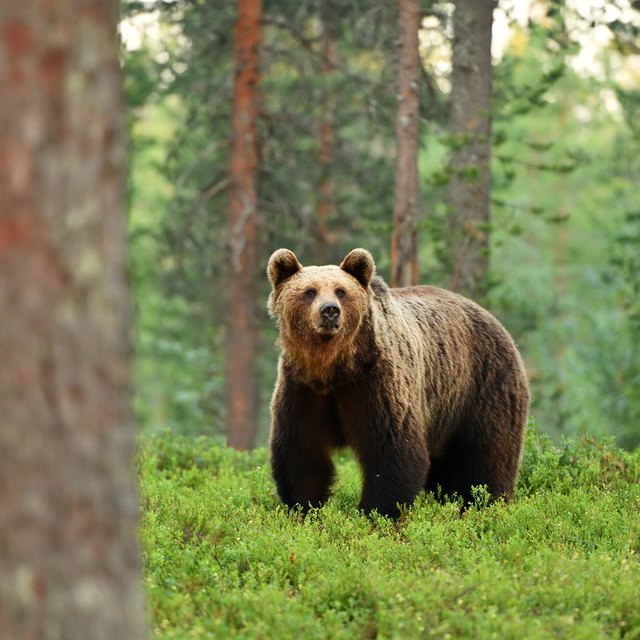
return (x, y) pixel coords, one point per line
(328, 329)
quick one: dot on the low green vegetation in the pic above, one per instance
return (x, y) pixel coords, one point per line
(224, 559)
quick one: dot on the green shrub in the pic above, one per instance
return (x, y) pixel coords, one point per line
(223, 558)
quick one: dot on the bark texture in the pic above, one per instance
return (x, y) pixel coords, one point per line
(325, 205)
(69, 563)
(404, 242)
(242, 332)
(470, 181)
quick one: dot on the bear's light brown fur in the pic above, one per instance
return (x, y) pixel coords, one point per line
(424, 385)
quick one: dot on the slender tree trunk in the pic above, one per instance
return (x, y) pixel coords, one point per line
(404, 242)
(325, 204)
(471, 80)
(242, 333)
(69, 564)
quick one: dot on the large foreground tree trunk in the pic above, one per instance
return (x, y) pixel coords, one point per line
(69, 563)
(471, 81)
(404, 242)
(242, 332)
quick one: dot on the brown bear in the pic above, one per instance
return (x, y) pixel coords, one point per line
(425, 386)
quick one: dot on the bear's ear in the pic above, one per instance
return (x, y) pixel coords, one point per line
(360, 265)
(282, 265)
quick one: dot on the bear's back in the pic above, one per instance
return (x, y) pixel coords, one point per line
(457, 348)
(442, 313)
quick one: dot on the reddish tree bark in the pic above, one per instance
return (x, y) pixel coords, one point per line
(325, 203)
(69, 563)
(242, 332)
(469, 187)
(404, 242)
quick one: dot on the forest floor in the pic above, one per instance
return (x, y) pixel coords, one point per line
(223, 558)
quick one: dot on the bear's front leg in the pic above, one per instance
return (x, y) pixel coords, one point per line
(389, 443)
(301, 445)
(394, 474)
(302, 477)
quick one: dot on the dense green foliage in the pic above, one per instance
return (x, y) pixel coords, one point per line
(224, 559)
(565, 230)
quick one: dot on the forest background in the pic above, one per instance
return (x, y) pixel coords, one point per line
(564, 229)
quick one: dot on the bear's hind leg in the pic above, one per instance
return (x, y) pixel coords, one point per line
(469, 462)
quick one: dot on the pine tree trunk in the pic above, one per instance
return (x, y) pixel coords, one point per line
(404, 242)
(470, 181)
(69, 564)
(242, 331)
(325, 204)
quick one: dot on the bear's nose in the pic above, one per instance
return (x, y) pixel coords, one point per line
(330, 311)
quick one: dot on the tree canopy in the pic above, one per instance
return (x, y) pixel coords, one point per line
(562, 238)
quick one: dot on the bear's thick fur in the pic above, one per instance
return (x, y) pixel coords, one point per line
(425, 386)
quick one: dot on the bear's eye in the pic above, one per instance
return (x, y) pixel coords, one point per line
(341, 293)
(310, 294)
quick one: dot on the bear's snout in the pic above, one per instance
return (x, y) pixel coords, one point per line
(328, 322)
(330, 311)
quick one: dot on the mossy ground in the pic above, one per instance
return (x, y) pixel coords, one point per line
(223, 558)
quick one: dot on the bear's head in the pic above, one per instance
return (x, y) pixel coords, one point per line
(319, 310)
